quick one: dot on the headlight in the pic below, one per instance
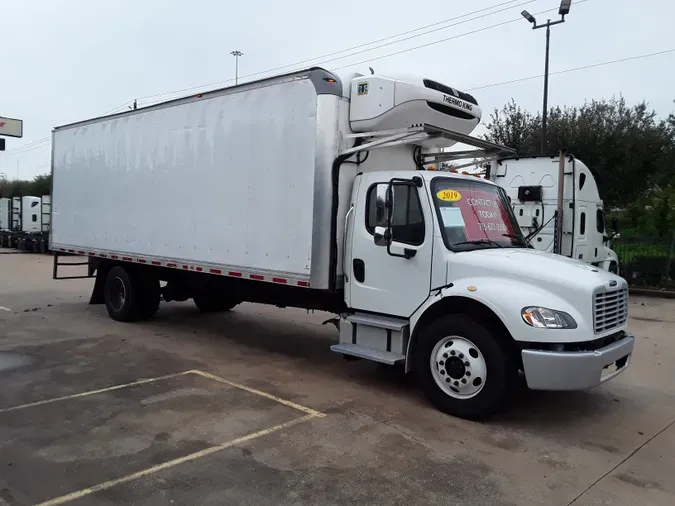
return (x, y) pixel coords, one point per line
(544, 318)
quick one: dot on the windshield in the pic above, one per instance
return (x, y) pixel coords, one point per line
(475, 215)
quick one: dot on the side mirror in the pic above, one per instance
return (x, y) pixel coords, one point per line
(381, 236)
(615, 225)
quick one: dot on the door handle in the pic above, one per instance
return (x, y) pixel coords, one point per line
(359, 268)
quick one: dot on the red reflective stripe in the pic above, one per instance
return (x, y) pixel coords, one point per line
(103, 255)
(215, 271)
(171, 265)
(257, 277)
(91, 254)
(80, 252)
(235, 274)
(114, 257)
(198, 269)
(156, 263)
(127, 259)
(278, 280)
(141, 261)
(303, 283)
(185, 267)
(71, 251)
(61, 249)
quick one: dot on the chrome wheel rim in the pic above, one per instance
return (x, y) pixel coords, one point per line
(118, 293)
(458, 367)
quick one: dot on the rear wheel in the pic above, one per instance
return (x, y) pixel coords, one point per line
(123, 295)
(214, 304)
(463, 369)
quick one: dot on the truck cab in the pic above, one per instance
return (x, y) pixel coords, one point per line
(533, 186)
(439, 276)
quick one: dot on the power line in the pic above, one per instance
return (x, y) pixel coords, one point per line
(584, 67)
(363, 45)
(502, 83)
(478, 30)
(34, 145)
(40, 143)
(44, 142)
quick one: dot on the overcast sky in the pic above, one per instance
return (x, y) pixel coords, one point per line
(67, 60)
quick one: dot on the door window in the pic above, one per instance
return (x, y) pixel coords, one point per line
(600, 221)
(582, 224)
(407, 222)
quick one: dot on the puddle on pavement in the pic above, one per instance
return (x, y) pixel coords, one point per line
(10, 361)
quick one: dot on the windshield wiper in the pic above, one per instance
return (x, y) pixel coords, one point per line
(517, 237)
(479, 242)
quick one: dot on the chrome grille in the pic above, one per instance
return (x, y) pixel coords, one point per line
(610, 309)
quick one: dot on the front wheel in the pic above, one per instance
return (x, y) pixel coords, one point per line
(463, 369)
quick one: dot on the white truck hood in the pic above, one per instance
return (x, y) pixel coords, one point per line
(538, 267)
(509, 279)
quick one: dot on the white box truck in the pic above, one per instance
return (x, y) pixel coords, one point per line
(313, 195)
(533, 185)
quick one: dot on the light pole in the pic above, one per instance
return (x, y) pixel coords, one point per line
(236, 53)
(563, 11)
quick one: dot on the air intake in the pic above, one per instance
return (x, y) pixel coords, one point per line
(449, 91)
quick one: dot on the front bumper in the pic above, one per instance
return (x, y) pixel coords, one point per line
(576, 370)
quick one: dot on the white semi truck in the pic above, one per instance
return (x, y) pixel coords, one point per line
(313, 195)
(24, 223)
(533, 185)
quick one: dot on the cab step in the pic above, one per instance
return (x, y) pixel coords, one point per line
(354, 350)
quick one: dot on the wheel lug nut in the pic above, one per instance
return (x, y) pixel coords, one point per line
(461, 355)
(441, 363)
(467, 363)
(463, 381)
(447, 380)
(456, 383)
(445, 355)
(452, 353)
(468, 373)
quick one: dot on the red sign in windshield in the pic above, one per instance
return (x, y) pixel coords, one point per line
(483, 213)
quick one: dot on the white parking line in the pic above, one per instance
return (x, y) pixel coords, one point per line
(78, 494)
(172, 463)
(3, 308)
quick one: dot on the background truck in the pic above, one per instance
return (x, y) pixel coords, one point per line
(25, 222)
(313, 194)
(533, 186)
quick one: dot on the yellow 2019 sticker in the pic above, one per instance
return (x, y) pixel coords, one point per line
(449, 195)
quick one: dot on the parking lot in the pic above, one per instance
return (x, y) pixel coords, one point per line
(251, 407)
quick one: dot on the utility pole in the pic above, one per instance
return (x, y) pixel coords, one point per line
(236, 53)
(563, 11)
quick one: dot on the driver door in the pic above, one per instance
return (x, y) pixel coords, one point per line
(381, 279)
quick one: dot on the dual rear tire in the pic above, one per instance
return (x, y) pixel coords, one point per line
(130, 294)
(133, 294)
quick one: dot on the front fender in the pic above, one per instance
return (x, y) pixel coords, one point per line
(610, 256)
(507, 297)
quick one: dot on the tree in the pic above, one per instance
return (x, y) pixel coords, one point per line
(628, 149)
(39, 186)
